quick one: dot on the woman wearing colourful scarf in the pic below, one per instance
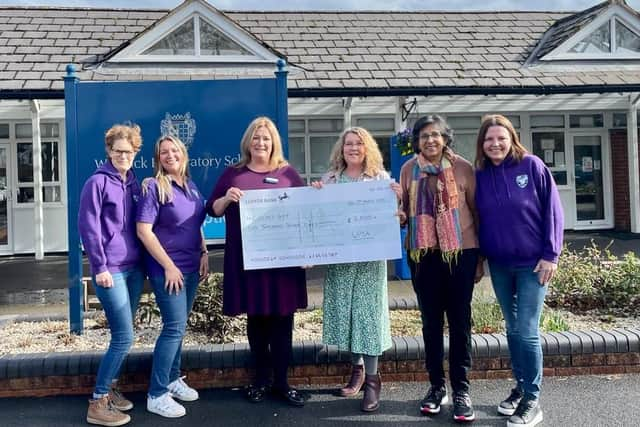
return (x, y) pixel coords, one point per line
(438, 193)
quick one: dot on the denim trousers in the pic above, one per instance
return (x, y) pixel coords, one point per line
(119, 303)
(174, 309)
(446, 289)
(521, 298)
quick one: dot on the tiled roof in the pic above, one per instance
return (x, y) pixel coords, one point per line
(334, 50)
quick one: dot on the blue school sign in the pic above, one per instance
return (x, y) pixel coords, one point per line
(209, 116)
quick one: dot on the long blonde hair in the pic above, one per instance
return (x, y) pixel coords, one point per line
(276, 159)
(165, 190)
(372, 164)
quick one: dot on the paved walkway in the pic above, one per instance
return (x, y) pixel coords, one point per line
(583, 401)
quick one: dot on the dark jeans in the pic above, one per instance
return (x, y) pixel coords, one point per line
(442, 288)
(270, 342)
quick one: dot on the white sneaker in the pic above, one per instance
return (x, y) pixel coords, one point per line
(180, 390)
(165, 406)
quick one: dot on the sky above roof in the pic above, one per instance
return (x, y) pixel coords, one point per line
(558, 5)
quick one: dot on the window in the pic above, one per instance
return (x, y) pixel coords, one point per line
(180, 42)
(626, 39)
(4, 131)
(619, 120)
(51, 191)
(599, 41)
(547, 121)
(465, 134)
(586, 121)
(549, 146)
(310, 144)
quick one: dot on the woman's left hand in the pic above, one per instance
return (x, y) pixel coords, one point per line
(204, 265)
(545, 270)
(397, 189)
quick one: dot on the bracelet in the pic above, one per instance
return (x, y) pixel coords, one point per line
(204, 252)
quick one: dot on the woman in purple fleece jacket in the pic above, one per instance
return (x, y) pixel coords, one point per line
(520, 232)
(107, 226)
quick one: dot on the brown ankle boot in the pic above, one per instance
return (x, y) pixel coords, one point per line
(372, 386)
(355, 383)
(101, 412)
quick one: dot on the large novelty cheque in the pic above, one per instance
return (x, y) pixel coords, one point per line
(339, 223)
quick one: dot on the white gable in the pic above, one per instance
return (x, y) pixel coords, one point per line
(613, 35)
(195, 32)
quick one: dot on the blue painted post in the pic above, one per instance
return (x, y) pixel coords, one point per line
(282, 112)
(397, 160)
(73, 195)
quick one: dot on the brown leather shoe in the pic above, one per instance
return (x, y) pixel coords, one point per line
(355, 383)
(101, 412)
(372, 387)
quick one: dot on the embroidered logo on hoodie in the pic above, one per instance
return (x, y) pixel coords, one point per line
(522, 180)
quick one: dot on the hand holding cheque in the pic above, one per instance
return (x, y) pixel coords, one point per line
(350, 222)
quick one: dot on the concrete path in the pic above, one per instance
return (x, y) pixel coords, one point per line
(583, 401)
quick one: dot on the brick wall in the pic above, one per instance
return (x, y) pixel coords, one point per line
(565, 353)
(620, 175)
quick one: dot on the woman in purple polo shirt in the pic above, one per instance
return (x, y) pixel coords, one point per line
(106, 222)
(270, 297)
(170, 216)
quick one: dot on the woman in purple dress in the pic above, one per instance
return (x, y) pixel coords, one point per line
(270, 297)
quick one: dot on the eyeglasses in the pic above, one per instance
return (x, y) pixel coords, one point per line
(127, 153)
(354, 144)
(435, 135)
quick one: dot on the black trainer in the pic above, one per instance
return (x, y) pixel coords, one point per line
(462, 407)
(436, 396)
(527, 414)
(509, 405)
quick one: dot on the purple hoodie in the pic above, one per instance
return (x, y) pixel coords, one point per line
(521, 217)
(107, 220)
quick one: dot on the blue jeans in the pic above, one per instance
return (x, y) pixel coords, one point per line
(521, 298)
(119, 303)
(175, 311)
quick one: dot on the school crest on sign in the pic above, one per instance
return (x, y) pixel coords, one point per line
(181, 125)
(522, 180)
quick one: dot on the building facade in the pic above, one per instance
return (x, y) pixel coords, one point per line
(569, 81)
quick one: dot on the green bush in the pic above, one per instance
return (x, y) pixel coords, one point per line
(595, 279)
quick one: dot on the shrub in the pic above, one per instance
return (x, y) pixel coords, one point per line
(595, 279)
(206, 315)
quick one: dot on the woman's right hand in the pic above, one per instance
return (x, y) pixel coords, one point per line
(104, 279)
(173, 279)
(317, 184)
(234, 194)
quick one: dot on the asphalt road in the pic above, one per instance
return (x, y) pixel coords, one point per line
(585, 401)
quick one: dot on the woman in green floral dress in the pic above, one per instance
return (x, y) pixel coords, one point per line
(355, 307)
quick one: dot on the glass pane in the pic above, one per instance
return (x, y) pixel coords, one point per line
(384, 144)
(179, 42)
(50, 162)
(464, 145)
(549, 146)
(296, 126)
(25, 162)
(4, 197)
(547, 121)
(51, 194)
(49, 130)
(464, 122)
(213, 42)
(380, 124)
(626, 40)
(296, 153)
(619, 120)
(515, 121)
(320, 151)
(597, 42)
(23, 130)
(586, 121)
(587, 152)
(325, 125)
(4, 130)
(25, 195)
